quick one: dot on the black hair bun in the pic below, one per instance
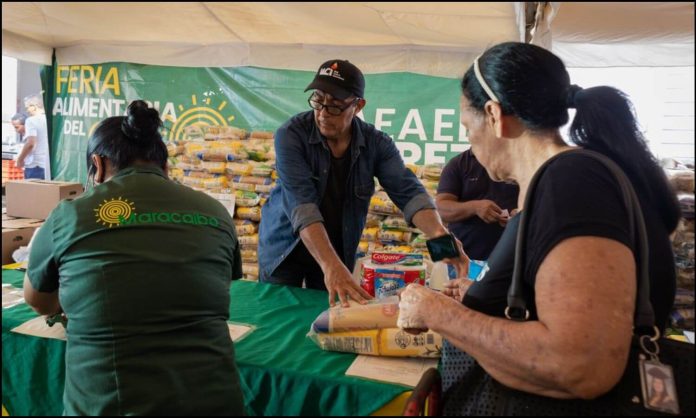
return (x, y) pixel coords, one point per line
(141, 123)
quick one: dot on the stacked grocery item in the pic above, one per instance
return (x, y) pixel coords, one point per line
(232, 166)
(386, 230)
(683, 245)
(392, 254)
(370, 329)
(385, 273)
(10, 171)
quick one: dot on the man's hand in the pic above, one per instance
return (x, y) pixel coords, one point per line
(20, 163)
(461, 263)
(456, 288)
(339, 282)
(488, 211)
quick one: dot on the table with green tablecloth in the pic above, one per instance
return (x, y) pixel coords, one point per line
(282, 371)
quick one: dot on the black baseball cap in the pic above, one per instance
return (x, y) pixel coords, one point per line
(339, 78)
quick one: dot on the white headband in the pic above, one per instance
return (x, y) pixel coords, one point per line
(482, 82)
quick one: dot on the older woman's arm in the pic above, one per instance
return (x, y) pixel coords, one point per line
(578, 348)
(42, 278)
(44, 303)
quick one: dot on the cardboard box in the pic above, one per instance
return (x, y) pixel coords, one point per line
(37, 198)
(13, 239)
(19, 223)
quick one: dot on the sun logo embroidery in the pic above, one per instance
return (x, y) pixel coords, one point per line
(111, 212)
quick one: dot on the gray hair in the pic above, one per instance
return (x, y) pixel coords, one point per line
(34, 99)
(20, 117)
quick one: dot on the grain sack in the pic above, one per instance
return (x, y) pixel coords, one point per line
(373, 220)
(369, 234)
(239, 168)
(194, 133)
(252, 213)
(261, 169)
(395, 223)
(245, 187)
(380, 203)
(432, 171)
(246, 199)
(252, 180)
(245, 227)
(249, 256)
(264, 188)
(376, 314)
(394, 237)
(214, 167)
(261, 135)
(389, 342)
(219, 182)
(250, 269)
(248, 239)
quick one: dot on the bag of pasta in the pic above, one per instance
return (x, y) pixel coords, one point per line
(250, 213)
(245, 227)
(246, 199)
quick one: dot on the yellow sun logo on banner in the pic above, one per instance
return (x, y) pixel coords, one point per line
(111, 212)
(203, 113)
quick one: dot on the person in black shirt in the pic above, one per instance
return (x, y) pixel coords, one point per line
(476, 207)
(580, 279)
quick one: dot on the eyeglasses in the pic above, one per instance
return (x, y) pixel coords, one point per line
(315, 104)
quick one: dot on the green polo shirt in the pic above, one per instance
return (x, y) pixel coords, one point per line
(143, 267)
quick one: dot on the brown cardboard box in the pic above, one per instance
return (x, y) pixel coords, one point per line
(19, 223)
(37, 198)
(13, 239)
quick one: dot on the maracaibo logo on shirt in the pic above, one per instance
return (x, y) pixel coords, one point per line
(117, 212)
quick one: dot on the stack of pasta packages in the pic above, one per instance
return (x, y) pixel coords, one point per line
(387, 232)
(371, 329)
(386, 229)
(225, 161)
(683, 245)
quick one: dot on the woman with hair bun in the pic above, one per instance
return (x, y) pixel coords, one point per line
(141, 267)
(579, 277)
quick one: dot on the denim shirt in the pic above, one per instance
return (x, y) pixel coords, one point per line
(303, 160)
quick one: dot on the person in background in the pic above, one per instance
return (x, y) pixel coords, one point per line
(18, 123)
(327, 160)
(580, 278)
(475, 207)
(141, 267)
(34, 157)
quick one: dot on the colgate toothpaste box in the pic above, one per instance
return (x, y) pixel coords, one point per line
(401, 259)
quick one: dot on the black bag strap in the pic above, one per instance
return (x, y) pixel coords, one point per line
(644, 318)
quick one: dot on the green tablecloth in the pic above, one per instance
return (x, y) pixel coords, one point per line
(282, 371)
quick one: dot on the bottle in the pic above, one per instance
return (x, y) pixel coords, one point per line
(438, 276)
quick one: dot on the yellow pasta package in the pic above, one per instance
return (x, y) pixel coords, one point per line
(251, 213)
(248, 239)
(369, 234)
(214, 167)
(239, 168)
(389, 342)
(215, 182)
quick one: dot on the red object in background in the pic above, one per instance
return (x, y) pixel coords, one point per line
(10, 171)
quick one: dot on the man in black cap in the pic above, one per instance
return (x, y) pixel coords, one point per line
(327, 159)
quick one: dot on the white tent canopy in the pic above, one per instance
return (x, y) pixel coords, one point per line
(428, 38)
(657, 34)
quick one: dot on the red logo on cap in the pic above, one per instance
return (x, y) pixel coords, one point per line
(334, 66)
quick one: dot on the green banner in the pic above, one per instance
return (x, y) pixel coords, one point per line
(420, 112)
